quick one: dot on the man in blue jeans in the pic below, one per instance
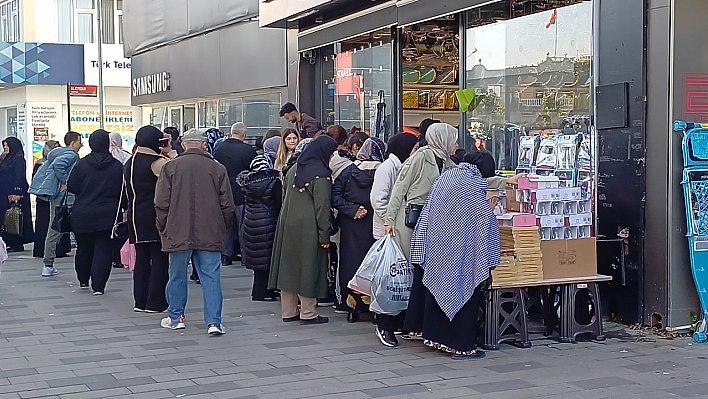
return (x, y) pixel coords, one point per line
(195, 209)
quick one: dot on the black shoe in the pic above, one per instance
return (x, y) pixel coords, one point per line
(476, 354)
(289, 319)
(226, 261)
(118, 265)
(264, 300)
(388, 338)
(316, 320)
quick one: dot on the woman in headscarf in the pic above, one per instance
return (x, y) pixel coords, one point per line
(214, 138)
(300, 251)
(151, 264)
(484, 161)
(270, 148)
(13, 190)
(408, 195)
(263, 190)
(399, 148)
(453, 274)
(41, 220)
(350, 197)
(423, 129)
(117, 148)
(96, 180)
(355, 142)
(288, 142)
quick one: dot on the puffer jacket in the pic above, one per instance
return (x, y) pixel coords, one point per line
(263, 194)
(53, 173)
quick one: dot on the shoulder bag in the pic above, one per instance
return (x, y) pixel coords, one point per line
(62, 216)
(120, 227)
(12, 224)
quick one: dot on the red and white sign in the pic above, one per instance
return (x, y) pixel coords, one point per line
(83, 91)
(695, 101)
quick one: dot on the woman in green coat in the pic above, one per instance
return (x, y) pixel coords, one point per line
(300, 251)
(413, 185)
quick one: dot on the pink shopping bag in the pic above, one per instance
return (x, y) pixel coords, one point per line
(127, 255)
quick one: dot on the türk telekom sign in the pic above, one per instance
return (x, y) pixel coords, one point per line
(151, 84)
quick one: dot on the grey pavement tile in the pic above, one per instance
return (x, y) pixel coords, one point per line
(18, 372)
(114, 383)
(96, 394)
(392, 391)
(76, 324)
(63, 382)
(654, 366)
(15, 306)
(95, 358)
(511, 367)
(166, 363)
(690, 391)
(605, 382)
(291, 344)
(413, 371)
(246, 313)
(46, 392)
(10, 321)
(282, 371)
(40, 298)
(501, 386)
(206, 388)
(171, 344)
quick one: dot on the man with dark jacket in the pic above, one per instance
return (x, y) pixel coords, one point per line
(306, 125)
(236, 156)
(195, 209)
(175, 142)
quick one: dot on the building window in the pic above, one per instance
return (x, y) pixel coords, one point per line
(9, 21)
(77, 21)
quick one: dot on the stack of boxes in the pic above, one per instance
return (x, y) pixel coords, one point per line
(521, 260)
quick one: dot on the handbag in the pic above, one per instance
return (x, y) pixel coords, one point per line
(120, 227)
(412, 214)
(12, 224)
(62, 216)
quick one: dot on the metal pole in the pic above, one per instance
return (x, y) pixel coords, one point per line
(101, 102)
(68, 105)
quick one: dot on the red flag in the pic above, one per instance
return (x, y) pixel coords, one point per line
(552, 20)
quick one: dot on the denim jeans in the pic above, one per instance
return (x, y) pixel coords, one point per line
(208, 266)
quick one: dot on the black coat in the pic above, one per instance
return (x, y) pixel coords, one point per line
(264, 198)
(140, 184)
(96, 181)
(236, 156)
(13, 181)
(351, 190)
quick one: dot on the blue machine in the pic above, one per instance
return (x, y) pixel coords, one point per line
(695, 189)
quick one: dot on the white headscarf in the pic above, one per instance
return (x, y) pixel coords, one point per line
(441, 139)
(117, 148)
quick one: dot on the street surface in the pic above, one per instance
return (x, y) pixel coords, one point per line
(57, 341)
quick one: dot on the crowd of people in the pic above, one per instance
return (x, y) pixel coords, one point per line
(301, 212)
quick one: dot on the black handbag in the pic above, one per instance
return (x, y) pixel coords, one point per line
(413, 214)
(12, 224)
(62, 216)
(120, 228)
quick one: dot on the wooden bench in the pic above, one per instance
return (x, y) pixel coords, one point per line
(506, 318)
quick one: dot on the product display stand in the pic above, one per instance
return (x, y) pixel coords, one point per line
(695, 189)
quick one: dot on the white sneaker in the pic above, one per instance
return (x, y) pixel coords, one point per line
(178, 324)
(49, 271)
(216, 329)
(97, 293)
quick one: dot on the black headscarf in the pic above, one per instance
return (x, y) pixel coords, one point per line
(483, 160)
(401, 146)
(149, 136)
(423, 128)
(314, 161)
(15, 146)
(100, 141)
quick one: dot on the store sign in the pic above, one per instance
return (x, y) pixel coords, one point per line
(41, 63)
(116, 68)
(151, 84)
(83, 91)
(695, 107)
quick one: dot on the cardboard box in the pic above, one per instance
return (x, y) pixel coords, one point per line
(551, 221)
(569, 258)
(534, 182)
(512, 200)
(570, 193)
(581, 219)
(548, 194)
(517, 220)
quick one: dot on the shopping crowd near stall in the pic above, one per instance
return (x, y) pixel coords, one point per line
(332, 217)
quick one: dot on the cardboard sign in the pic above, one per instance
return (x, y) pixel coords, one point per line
(569, 258)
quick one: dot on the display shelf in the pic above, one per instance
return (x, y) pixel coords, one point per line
(430, 111)
(420, 86)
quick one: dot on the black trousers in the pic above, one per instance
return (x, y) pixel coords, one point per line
(150, 276)
(260, 289)
(391, 323)
(93, 258)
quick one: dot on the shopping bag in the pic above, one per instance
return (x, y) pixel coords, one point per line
(127, 255)
(3, 252)
(361, 282)
(12, 224)
(62, 216)
(392, 281)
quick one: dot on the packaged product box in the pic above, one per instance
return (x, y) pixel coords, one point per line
(534, 182)
(569, 258)
(512, 219)
(513, 204)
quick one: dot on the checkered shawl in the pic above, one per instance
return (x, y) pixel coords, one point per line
(456, 240)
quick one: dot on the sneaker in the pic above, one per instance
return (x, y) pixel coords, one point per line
(97, 293)
(178, 324)
(342, 308)
(325, 303)
(49, 271)
(475, 354)
(387, 338)
(226, 261)
(138, 310)
(216, 329)
(83, 286)
(153, 311)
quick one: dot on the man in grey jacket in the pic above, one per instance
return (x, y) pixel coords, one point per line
(50, 183)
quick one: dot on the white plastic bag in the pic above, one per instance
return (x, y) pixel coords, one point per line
(361, 282)
(3, 252)
(392, 280)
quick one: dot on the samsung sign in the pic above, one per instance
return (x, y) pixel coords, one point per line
(151, 84)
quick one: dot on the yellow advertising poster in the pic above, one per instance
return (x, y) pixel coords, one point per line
(119, 120)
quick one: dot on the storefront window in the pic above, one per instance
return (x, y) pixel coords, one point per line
(358, 92)
(533, 70)
(259, 113)
(206, 114)
(230, 112)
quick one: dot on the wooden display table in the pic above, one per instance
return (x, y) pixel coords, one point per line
(506, 318)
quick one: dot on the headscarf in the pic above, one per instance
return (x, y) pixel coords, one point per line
(270, 146)
(456, 207)
(149, 137)
(441, 139)
(261, 162)
(117, 147)
(373, 149)
(49, 145)
(301, 146)
(314, 161)
(15, 146)
(213, 135)
(401, 146)
(100, 141)
(484, 162)
(423, 130)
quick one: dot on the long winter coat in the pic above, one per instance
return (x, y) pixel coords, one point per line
(299, 262)
(14, 182)
(141, 173)
(264, 197)
(350, 191)
(96, 181)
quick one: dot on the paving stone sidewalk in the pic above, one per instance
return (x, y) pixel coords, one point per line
(57, 341)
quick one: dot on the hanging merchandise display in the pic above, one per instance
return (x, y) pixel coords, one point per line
(695, 185)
